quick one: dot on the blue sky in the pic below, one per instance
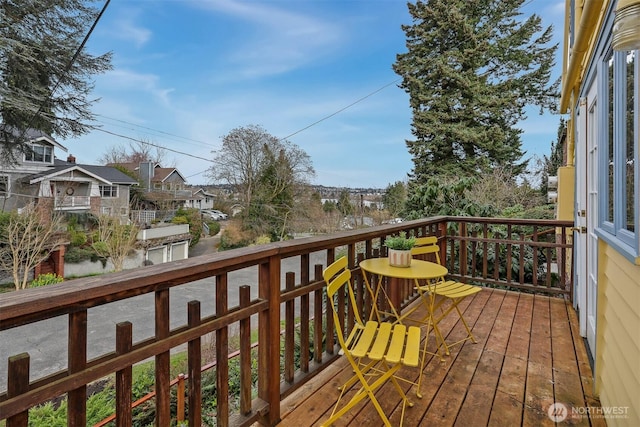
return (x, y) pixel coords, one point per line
(185, 73)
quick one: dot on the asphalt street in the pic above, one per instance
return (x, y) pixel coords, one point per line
(46, 341)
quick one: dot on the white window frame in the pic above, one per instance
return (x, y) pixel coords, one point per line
(47, 154)
(615, 232)
(113, 190)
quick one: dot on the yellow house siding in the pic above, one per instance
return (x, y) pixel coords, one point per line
(618, 335)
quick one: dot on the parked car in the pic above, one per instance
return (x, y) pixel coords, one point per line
(214, 214)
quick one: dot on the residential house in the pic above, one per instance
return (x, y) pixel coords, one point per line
(65, 185)
(200, 199)
(599, 188)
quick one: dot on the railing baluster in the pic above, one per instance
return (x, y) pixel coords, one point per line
(222, 352)
(124, 378)
(180, 399)
(329, 318)
(194, 356)
(245, 354)
(163, 401)
(17, 384)
(509, 253)
(304, 332)
(77, 355)
(289, 328)
(317, 319)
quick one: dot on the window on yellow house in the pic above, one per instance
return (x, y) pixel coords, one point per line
(619, 202)
(632, 139)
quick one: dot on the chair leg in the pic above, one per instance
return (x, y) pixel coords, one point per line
(365, 390)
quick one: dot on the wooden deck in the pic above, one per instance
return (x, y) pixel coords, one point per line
(529, 355)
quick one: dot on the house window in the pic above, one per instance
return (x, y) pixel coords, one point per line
(4, 185)
(632, 137)
(619, 206)
(107, 191)
(106, 210)
(39, 153)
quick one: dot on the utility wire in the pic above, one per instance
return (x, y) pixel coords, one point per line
(65, 71)
(152, 144)
(340, 110)
(73, 58)
(154, 130)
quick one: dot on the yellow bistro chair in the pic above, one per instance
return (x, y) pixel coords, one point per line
(375, 350)
(448, 290)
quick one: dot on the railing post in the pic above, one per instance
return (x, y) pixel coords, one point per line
(17, 384)
(245, 354)
(77, 357)
(194, 356)
(163, 387)
(222, 352)
(124, 377)
(269, 336)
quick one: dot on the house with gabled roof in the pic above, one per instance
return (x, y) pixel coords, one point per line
(200, 199)
(40, 177)
(162, 188)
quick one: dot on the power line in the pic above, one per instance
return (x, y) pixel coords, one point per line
(73, 58)
(340, 110)
(155, 130)
(151, 144)
(65, 71)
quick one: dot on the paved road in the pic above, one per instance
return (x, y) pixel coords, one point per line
(46, 341)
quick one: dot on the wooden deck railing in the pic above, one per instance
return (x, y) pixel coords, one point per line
(475, 250)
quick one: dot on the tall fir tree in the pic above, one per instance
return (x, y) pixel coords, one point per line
(471, 68)
(44, 76)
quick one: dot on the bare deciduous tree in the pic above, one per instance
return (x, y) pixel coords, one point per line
(115, 240)
(138, 151)
(26, 239)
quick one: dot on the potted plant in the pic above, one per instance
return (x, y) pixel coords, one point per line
(400, 249)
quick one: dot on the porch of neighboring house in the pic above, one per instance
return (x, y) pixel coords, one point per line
(529, 355)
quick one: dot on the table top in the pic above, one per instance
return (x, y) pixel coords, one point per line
(418, 269)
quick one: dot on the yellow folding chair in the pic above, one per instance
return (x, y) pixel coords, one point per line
(448, 290)
(375, 350)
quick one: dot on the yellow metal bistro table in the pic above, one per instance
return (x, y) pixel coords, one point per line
(418, 270)
(429, 272)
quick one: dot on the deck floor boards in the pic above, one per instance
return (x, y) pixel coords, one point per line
(528, 356)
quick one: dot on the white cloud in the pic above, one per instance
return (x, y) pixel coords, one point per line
(126, 80)
(276, 40)
(125, 28)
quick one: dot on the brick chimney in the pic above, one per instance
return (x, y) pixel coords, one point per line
(71, 159)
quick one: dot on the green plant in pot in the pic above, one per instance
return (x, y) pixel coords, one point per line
(400, 249)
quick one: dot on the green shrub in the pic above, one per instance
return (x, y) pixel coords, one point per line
(78, 238)
(46, 279)
(214, 227)
(75, 255)
(179, 220)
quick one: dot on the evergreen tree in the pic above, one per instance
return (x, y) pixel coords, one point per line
(394, 198)
(43, 83)
(471, 68)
